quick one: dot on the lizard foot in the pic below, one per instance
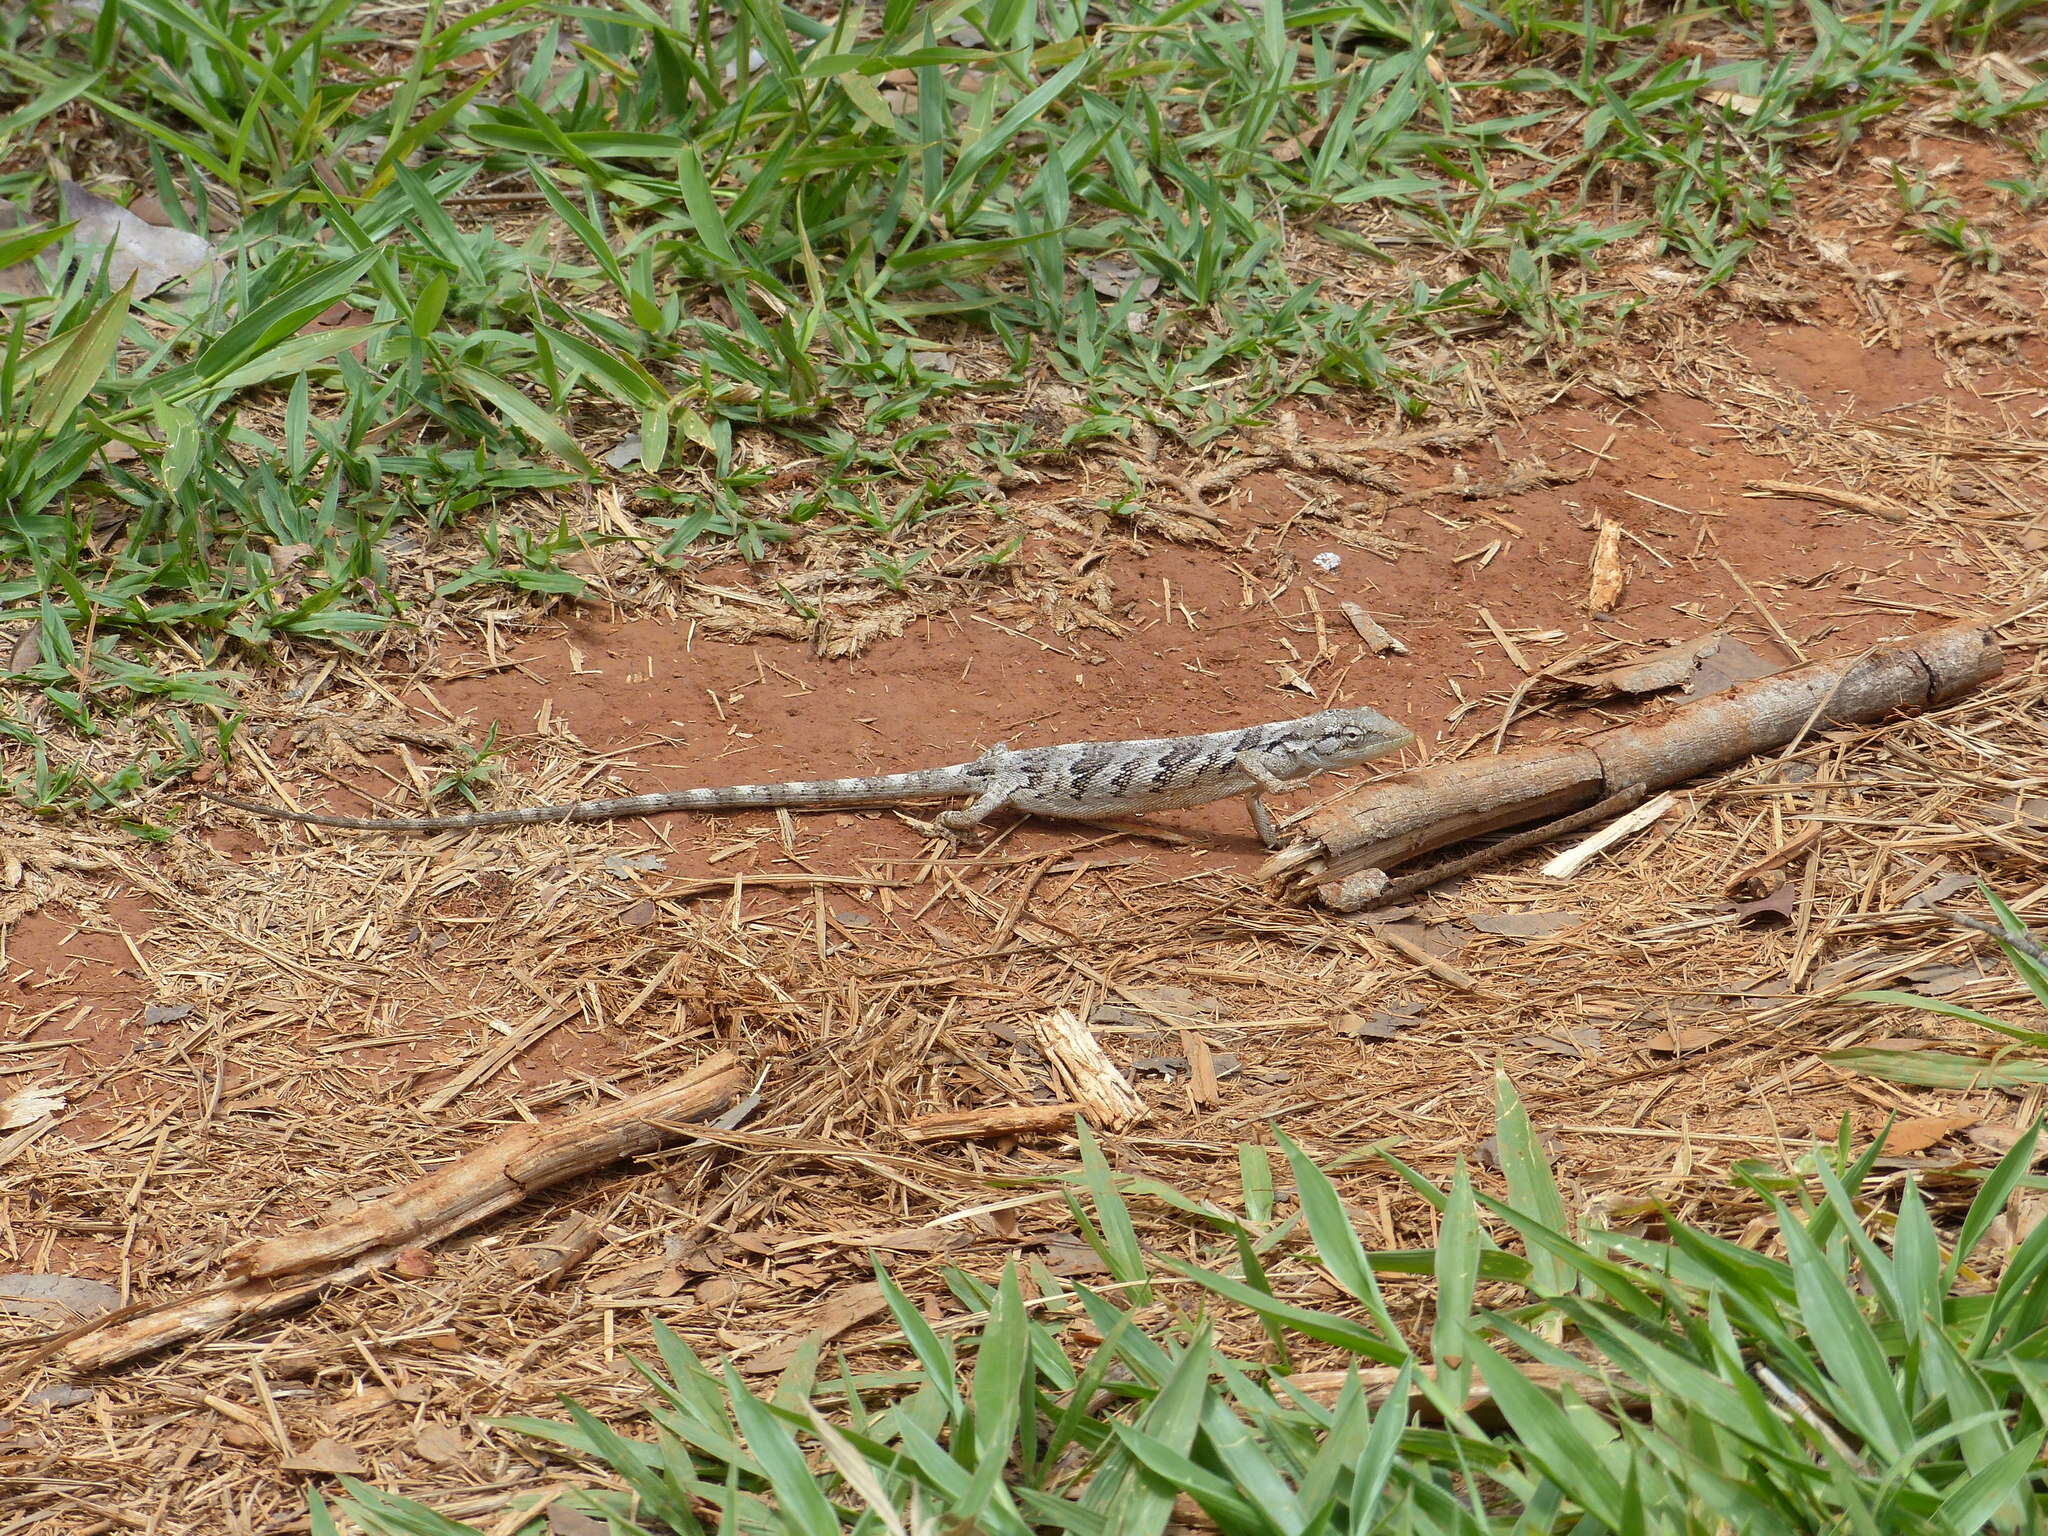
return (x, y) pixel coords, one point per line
(940, 828)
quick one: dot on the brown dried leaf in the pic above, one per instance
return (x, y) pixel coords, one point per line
(1669, 668)
(1443, 941)
(21, 279)
(1729, 663)
(1917, 1135)
(2023, 810)
(1113, 276)
(854, 1305)
(357, 1404)
(1677, 1042)
(1777, 908)
(155, 256)
(440, 1443)
(1382, 1025)
(1489, 1148)
(2000, 1139)
(329, 1456)
(919, 1240)
(564, 1521)
(1524, 925)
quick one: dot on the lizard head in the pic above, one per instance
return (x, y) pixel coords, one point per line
(1338, 737)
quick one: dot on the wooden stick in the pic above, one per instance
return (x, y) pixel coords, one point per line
(995, 1120)
(1399, 820)
(1574, 859)
(1442, 969)
(275, 1276)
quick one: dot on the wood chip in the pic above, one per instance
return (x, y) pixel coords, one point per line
(1381, 642)
(1610, 574)
(1085, 1069)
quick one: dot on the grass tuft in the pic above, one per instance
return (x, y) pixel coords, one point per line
(1856, 1369)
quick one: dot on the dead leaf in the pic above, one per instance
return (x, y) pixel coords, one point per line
(329, 1456)
(1669, 668)
(638, 915)
(414, 1264)
(2000, 1139)
(60, 1395)
(1224, 1063)
(1383, 1024)
(2023, 810)
(242, 1436)
(918, 1240)
(356, 1404)
(155, 257)
(1776, 908)
(1734, 101)
(151, 210)
(1941, 980)
(718, 1291)
(29, 1106)
(1677, 1042)
(1145, 1005)
(1443, 940)
(1917, 1135)
(1524, 925)
(564, 1521)
(1729, 663)
(1115, 276)
(56, 1299)
(1069, 1257)
(440, 1443)
(1940, 891)
(854, 1305)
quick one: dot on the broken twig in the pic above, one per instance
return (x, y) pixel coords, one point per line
(277, 1275)
(1399, 820)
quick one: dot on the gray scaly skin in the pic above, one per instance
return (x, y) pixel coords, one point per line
(1083, 780)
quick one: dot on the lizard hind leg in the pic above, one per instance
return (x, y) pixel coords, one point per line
(968, 818)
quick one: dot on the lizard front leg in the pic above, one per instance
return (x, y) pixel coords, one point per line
(1267, 782)
(1262, 819)
(1253, 766)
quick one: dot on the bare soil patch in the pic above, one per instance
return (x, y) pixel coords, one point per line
(249, 1023)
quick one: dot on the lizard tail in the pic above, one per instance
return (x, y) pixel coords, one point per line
(886, 789)
(581, 810)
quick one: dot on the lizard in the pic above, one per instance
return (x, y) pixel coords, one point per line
(1080, 780)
